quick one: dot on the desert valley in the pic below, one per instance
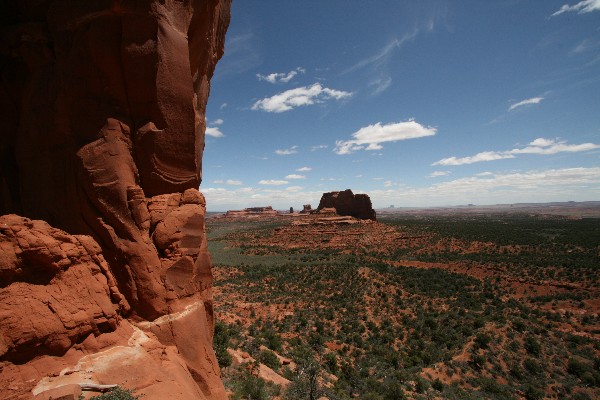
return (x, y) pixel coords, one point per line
(474, 302)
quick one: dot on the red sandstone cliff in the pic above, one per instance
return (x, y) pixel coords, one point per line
(103, 109)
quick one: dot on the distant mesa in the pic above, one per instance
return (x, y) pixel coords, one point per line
(347, 203)
(268, 210)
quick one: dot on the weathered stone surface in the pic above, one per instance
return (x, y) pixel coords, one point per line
(55, 289)
(347, 203)
(127, 357)
(103, 109)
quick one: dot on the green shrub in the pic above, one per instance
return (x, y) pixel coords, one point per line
(532, 346)
(117, 393)
(251, 387)
(269, 358)
(221, 343)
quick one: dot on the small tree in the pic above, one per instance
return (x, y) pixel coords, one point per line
(306, 385)
(221, 343)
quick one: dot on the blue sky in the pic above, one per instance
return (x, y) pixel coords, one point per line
(416, 103)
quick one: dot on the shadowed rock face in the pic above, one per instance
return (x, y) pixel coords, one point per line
(103, 108)
(348, 203)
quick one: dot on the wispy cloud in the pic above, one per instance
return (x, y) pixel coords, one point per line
(272, 182)
(302, 96)
(383, 55)
(540, 146)
(533, 100)
(287, 152)
(437, 174)
(231, 182)
(582, 7)
(585, 45)
(218, 121)
(319, 147)
(304, 169)
(242, 55)
(295, 176)
(371, 137)
(380, 84)
(280, 77)
(377, 65)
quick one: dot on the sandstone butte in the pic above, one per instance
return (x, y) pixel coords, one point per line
(347, 203)
(105, 277)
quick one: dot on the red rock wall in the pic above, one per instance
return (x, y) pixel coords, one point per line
(103, 109)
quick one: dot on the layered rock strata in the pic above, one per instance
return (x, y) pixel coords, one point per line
(103, 104)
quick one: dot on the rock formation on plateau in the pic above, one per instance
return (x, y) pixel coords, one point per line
(268, 210)
(103, 109)
(348, 203)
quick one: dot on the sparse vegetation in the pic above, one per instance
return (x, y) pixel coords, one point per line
(494, 307)
(118, 393)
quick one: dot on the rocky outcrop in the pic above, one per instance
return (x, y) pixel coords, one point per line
(103, 109)
(347, 203)
(55, 289)
(306, 209)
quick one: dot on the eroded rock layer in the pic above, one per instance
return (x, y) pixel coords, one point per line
(103, 108)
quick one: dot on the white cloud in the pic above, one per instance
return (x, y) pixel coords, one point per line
(371, 137)
(533, 100)
(302, 96)
(304, 169)
(231, 182)
(540, 146)
(279, 77)
(479, 157)
(578, 184)
(436, 174)
(287, 152)
(214, 132)
(582, 7)
(222, 106)
(295, 176)
(318, 147)
(272, 182)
